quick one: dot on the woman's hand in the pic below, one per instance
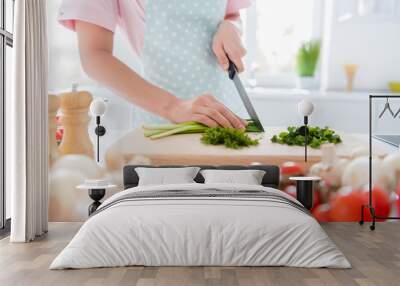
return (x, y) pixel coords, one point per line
(207, 110)
(228, 43)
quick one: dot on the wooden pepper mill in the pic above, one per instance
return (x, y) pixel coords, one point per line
(53, 106)
(75, 119)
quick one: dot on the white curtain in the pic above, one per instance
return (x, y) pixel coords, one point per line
(26, 117)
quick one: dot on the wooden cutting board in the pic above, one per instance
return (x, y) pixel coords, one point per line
(188, 149)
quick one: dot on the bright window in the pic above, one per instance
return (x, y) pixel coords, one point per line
(274, 30)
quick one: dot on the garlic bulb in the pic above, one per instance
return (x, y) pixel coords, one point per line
(391, 169)
(356, 173)
(330, 169)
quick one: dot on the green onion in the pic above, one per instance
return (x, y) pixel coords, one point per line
(168, 126)
(180, 130)
(231, 138)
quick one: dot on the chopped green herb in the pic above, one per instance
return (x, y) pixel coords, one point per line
(231, 138)
(316, 137)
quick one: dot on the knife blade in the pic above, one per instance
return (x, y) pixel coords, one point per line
(233, 75)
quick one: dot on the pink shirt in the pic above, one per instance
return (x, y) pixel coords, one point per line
(128, 14)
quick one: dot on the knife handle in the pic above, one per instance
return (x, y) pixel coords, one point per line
(232, 69)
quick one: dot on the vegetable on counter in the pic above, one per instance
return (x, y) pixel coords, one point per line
(231, 138)
(316, 137)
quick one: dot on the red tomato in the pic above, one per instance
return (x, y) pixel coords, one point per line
(61, 129)
(333, 195)
(346, 206)
(380, 200)
(321, 212)
(59, 135)
(291, 168)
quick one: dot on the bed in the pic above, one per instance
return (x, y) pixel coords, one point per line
(199, 224)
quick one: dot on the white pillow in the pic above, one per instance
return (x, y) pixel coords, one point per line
(248, 177)
(163, 176)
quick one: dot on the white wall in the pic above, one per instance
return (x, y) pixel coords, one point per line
(371, 41)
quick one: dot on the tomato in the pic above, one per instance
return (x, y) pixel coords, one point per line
(291, 168)
(380, 200)
(59, 135)
(321, 212)
(346, 206)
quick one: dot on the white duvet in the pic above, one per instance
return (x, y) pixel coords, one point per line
(200, 231)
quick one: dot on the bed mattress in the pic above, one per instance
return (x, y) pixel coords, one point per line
(201, 225)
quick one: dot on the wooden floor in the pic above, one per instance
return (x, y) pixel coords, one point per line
(375, 257)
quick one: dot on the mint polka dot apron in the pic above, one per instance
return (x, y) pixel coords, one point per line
(177, 54)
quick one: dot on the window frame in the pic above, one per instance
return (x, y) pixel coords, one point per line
(279, 80)
(6, 39)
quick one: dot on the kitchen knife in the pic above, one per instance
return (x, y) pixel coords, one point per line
(233, 75)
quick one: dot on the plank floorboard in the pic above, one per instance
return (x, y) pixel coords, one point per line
(375, 257)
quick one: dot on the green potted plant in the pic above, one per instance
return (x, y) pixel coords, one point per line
(307, 60)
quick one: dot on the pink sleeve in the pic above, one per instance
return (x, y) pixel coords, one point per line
(103, 13)
(235, 5)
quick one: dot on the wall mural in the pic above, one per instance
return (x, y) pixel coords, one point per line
(133, 136)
